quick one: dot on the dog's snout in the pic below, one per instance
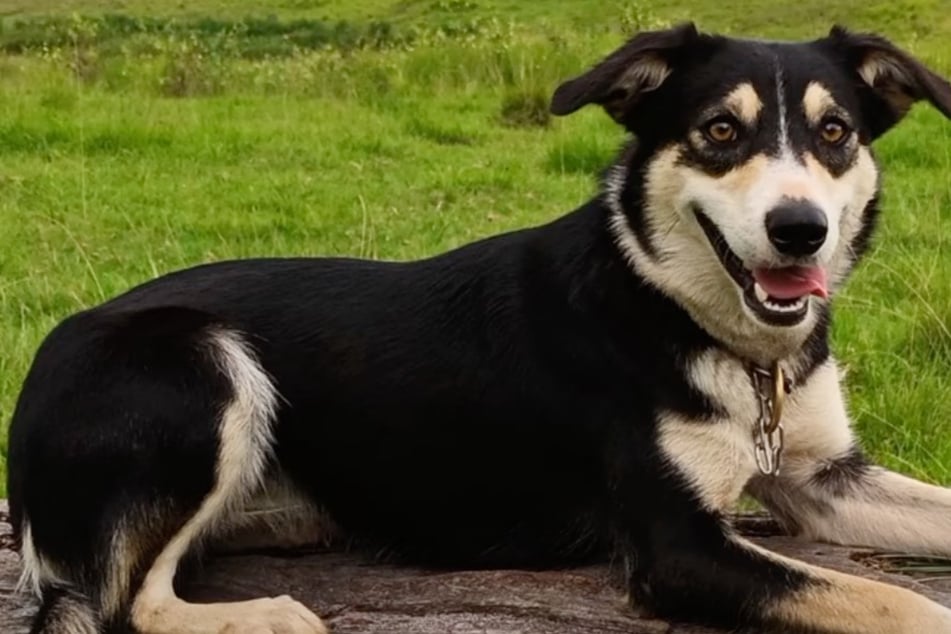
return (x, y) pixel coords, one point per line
(797, 228)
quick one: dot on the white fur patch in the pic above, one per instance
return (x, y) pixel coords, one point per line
(887, 511)
(246, 440)
(715, 456)
(838, 602)
(745, 102)
(123, 556)
(37, 572)
(781, 109)
(816, 101)
(279, 615)
(853, 191)
(881, 510)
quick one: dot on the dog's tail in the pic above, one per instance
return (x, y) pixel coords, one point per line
(65, 610)
(66, 604)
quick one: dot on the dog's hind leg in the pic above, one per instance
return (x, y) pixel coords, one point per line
(136, 438)
(245, 442)
(279, 517)
(828, 491)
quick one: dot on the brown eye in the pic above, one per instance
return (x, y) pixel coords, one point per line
(833, 131)
(721, 131)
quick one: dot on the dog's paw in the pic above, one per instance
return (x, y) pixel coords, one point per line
(280, 615)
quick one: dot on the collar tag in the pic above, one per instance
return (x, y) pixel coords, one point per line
(771, 387)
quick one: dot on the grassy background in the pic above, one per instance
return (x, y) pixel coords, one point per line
(139, 137)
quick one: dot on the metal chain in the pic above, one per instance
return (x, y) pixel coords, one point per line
(768, 435)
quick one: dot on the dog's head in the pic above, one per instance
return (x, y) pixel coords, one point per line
(751, 189)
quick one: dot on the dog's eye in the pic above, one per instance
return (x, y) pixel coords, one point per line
(721, 130)
(833, 131)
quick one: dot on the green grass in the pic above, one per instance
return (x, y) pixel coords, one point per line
(126, 155)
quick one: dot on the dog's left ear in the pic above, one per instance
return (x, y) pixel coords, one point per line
(897, 80)
(618, 82)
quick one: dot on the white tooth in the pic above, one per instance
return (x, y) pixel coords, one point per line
(786, 308)
(760, 292)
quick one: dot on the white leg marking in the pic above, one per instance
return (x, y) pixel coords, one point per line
(280, 615)
(123, 554)
(885, 510)
(246, 440)
(876, 508)
(846, 604)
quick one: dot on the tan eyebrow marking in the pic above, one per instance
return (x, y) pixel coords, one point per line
(744, 102)
(817, 101)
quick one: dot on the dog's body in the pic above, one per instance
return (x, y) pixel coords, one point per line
(531, 399)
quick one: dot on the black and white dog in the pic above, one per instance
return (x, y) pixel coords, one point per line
(611, 380)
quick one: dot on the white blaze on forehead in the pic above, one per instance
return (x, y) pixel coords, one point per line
(816, 101)
(745, 102)
(781, 109)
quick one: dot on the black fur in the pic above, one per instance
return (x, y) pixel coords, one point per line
(496, 405)
(842, 475)
(113, 426)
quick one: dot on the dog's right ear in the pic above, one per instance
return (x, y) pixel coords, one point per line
(618, 82)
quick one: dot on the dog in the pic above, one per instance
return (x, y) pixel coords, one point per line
(609, 382)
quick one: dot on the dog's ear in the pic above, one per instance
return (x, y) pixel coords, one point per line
(617, 83)
(897, 80)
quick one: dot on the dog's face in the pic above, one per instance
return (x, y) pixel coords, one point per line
(750, 192)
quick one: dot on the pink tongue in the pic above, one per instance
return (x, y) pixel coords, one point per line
(793, 281)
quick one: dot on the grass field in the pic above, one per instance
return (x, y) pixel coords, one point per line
(139, 137)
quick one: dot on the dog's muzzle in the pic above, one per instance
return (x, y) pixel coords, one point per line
(777, 296)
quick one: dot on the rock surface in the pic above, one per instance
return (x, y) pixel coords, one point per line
(358, 596)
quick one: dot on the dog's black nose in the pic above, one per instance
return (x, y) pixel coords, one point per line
(797, 228)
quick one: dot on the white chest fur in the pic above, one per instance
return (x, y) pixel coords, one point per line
(715, 456)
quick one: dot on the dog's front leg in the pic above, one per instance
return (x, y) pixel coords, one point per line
(684, 561)
(699, 571)
(828, 491)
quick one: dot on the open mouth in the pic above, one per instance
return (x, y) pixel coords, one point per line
(778, 296)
